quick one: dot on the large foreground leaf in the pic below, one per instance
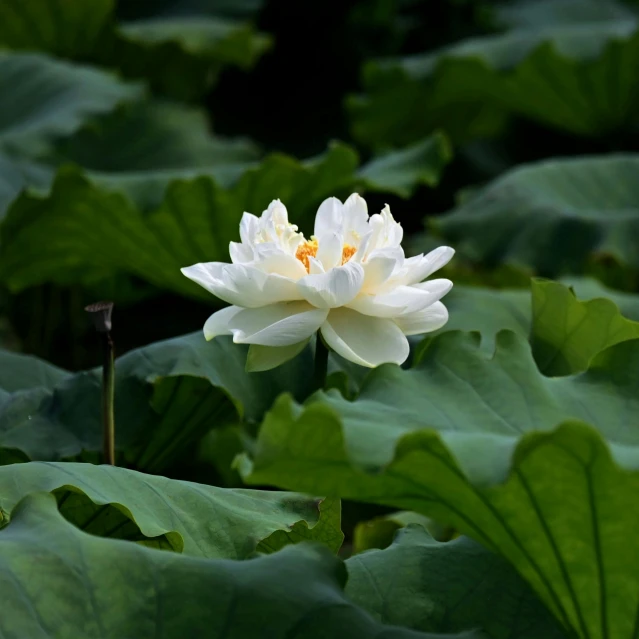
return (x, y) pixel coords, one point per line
(505, 396)
(447, 587)
(552, 216)
(83, 232)
(192, 518)
(557, 75)
(168, 395)
(57, 581)
(469, 441)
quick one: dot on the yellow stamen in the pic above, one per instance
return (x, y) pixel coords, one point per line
(308, 248)
(347, 252)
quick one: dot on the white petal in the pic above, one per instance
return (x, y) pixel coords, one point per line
(249, 226)
(256, 288)
(379, 267)
(264, 358)
(240, 253)
(275, 260)
(428, 264)
(209, 276)
(218, 323)
(438, 288)
(329, 217)
(402, 299)
(395, 232)
(362, 247)
(355, 218)
(276, 324)
(241, 284)
(329, 250)
(368, 341)
(315, 266)
(334, 288)
(276, 212)
(376, 224)
(424, 321)
(386, 231)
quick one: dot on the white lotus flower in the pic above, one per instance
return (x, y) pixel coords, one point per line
(350, 281)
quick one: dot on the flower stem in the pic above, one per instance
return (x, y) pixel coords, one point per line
(321, 363)
(100, 313)
(108, 400)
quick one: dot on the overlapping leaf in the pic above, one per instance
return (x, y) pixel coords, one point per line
(446, 587)
(171, 142)
(576, 77)
(82, 231)
(472, 440)
(400, 171)
(58, 581)
(46, 98)
(180, 56)
(65, 113)
(523, 14)
(199, 520)
(566, 333)
(511, 498)
(16, 175)
(168, 395)
(171, 393)
(552, 216)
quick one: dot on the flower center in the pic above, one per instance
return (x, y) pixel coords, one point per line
(347, 252)
(308, 248)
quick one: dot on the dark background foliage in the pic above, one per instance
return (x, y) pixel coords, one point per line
(296, 97)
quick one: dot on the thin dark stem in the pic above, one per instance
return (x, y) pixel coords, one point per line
(108, 396)
(321, 363)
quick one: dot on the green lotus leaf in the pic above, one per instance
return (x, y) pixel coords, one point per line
(169, 137)
(447, 587)
(168, 396)
(193, 518)
(180, 56)
(84, 230)
(22, 372)
(523, 14)
(51, 98)
(16, 175)
(553, 216)
(59, 581)
(565, 332)
(558, 75)
(399, 172)
(380, 532)
(472, 441)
